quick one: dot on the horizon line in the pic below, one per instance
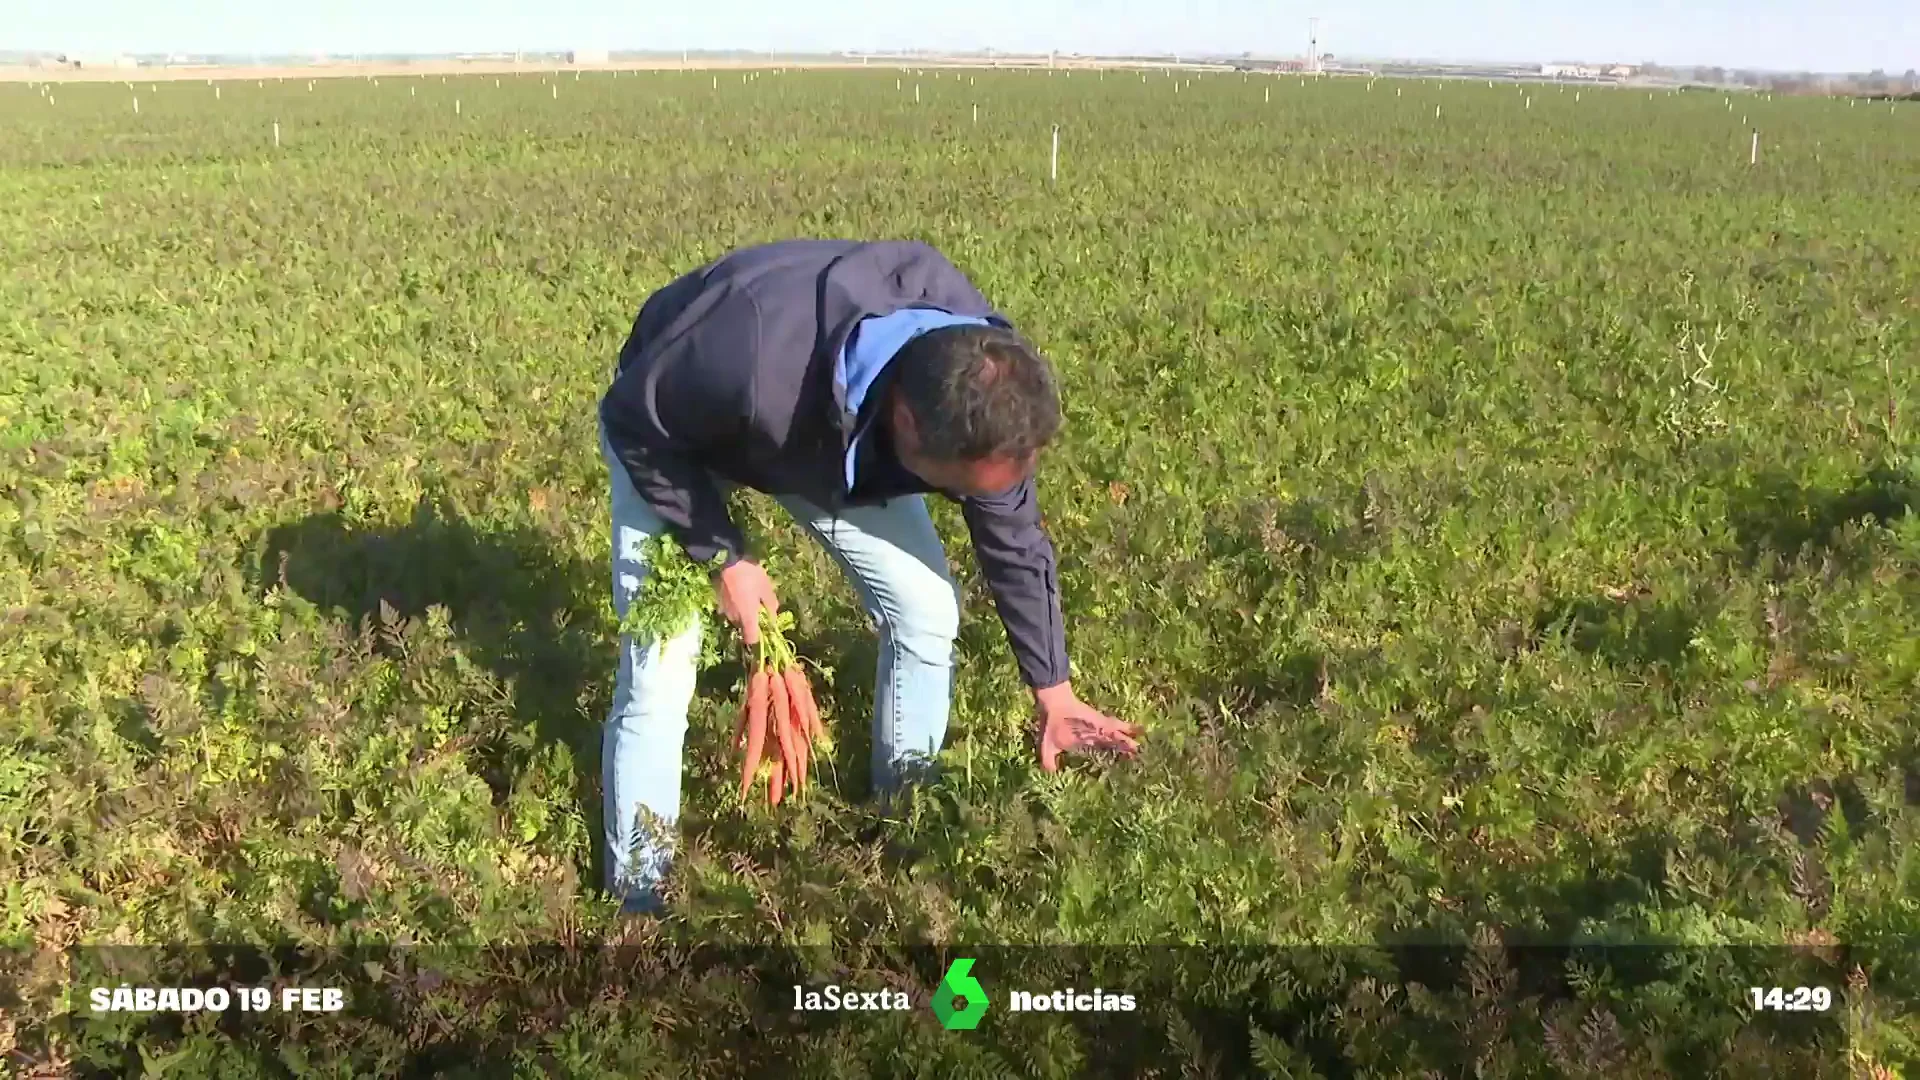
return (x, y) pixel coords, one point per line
(312, 56)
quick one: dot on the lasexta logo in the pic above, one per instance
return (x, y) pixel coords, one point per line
(959, 1001)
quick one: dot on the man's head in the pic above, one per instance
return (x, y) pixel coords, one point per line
(971, 408)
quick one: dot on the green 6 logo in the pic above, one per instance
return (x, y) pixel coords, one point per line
(959, 1001)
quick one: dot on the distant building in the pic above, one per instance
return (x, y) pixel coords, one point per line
(587, 56)
(90, 62)
(1569, 71)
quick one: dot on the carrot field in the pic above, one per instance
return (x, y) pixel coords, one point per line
(1497, 503)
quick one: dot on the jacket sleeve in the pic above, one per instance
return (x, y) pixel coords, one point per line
(661, 413)
(1018, 562)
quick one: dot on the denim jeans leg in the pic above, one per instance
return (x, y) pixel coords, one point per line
(645, 732)
(897, 564)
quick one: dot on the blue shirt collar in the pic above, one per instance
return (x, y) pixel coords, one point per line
(872, 345)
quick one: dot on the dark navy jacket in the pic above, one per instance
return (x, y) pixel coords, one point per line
(730, 371)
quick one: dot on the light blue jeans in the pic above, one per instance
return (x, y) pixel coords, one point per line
(896, 562)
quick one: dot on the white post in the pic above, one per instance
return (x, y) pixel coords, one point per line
(1269, 97)
(456, 106)
(1529, 102)
(136, 106)
(1753, 155)
(556, 92)
(1053, 166)
(216, 93)
(976, 113)
(916, 93)
(413, 91)
(1436, 112)
(276, 134)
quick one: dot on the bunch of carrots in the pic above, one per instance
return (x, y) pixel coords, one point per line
(779, 703)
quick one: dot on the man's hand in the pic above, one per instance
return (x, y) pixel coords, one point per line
(743, 589)
(1068, 724)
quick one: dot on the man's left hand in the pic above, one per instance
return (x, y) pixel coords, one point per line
(1068, 724)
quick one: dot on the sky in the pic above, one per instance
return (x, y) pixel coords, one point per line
(1791, 35)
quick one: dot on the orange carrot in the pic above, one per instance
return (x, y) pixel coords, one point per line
(805, 719)
(805, 757)
(783, 723)
(796, 706)
(799, 690)
(797, 722)
(805, 745)
(775, 786)
(757, 697)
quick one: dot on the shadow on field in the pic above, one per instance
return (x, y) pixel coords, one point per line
(529, 617)
(1314, 535)
(1779, 515)
(1628, 634)
(521, 613)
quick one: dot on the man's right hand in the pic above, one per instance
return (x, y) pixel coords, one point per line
(743, 589)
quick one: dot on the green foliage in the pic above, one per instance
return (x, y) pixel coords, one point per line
(1501, 521)
(677, 594)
